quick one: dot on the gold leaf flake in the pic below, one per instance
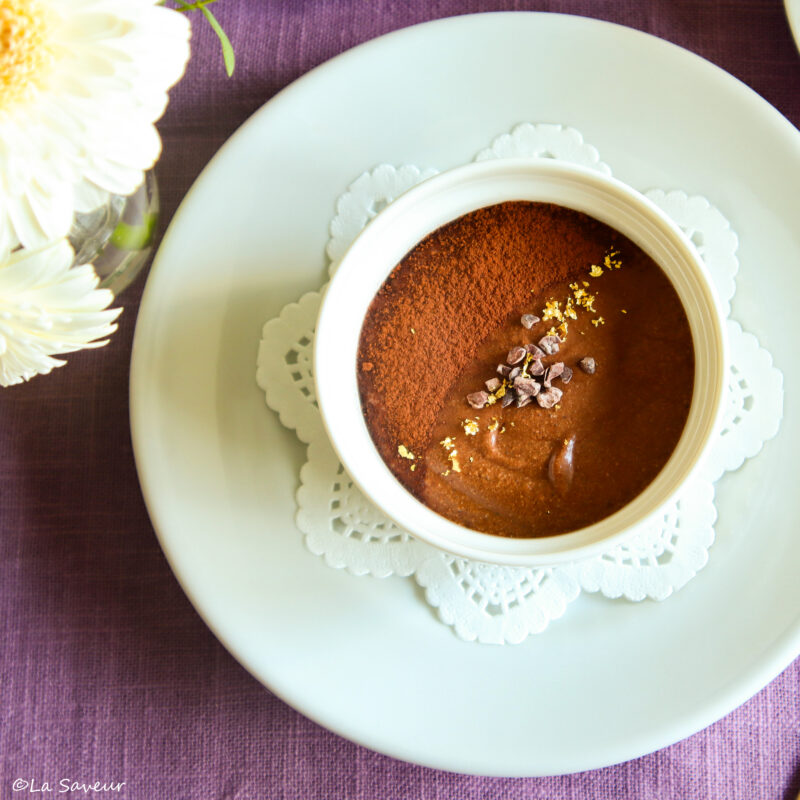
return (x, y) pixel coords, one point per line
(552, 310)
(611, 261)
(471, 427)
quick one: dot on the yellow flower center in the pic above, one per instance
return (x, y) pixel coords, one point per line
(26, 52)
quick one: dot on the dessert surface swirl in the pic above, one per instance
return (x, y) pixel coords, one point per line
(526, 370)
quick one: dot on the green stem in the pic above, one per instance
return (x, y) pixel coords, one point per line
(135, 237)
(197, 6)
(228, 55)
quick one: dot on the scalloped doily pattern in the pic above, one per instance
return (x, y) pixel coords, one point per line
(545, 141)
(483, 602)
(364, 198)
(492, 604)
(661, 560)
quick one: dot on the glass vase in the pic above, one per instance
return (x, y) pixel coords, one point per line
(117, 237)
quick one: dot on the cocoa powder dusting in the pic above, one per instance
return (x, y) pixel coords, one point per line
(453, 289)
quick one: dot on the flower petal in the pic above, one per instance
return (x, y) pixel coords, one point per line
(87, 126)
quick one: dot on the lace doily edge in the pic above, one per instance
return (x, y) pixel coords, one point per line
(774, 394)
(560, 587)
(276, 385)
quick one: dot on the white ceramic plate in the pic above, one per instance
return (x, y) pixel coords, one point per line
(793, 16)
(366, 658)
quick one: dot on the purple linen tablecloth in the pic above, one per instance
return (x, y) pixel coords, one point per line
(106, 671)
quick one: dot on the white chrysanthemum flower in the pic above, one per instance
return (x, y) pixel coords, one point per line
(48, 307)
(81, 84)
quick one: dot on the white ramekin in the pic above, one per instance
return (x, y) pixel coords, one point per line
(428, 206)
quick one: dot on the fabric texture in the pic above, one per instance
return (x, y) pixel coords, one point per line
(106, 671)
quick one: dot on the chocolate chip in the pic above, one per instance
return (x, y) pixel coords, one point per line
(534, 351)
(536, 368)
(514, 373)
(549, 344)
(503, 370)
(529, 320)
(553, 372)
(515, 355)
(527, 387)
(588, 365)
(493, 384)
(524, 400)
(477, 399)
(549, 398)
(566, 375)
(508, 398)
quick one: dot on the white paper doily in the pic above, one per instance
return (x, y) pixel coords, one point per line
(483, 602)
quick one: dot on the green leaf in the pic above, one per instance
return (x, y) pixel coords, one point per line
(227, 47)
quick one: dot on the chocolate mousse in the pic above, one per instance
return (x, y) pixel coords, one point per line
(526, 370)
